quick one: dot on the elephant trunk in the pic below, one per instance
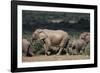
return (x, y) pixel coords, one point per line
(28, 49)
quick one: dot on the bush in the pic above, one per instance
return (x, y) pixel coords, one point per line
(37, 46)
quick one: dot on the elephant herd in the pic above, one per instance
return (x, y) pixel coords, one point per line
(56, 38)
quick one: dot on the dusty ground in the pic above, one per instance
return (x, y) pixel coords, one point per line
(53, 58)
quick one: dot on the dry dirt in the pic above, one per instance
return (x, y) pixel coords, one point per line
(54, 58)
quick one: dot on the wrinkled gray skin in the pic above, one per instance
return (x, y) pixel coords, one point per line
(26, 49)
(76, 46)
(57, 38)
(85, 36)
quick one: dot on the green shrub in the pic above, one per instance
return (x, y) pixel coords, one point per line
(37, 46)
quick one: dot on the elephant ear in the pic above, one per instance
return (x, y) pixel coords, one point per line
(42, 35)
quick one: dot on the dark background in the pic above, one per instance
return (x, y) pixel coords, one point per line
(66, 21)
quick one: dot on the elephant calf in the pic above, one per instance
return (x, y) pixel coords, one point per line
(76, 46)
(26, 50)
(51, 38)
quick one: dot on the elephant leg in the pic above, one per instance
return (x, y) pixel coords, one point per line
(31, 52)
(62, 44)
(75, 51)
(69, 51)
(46, 50)
(83, 51)
(59, 52)
(47, 44)
(28, 52)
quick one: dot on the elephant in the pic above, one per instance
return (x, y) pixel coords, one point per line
(85, 36)
(76, 46)
(26, 49)
(58, 38)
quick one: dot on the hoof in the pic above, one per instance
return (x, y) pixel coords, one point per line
(67, 54)
(48, 53)
(58, 54)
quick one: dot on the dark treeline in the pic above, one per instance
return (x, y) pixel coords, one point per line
(55, 20)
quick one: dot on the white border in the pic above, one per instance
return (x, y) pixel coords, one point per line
(53, 63)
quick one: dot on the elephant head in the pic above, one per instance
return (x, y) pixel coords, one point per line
(85, 36)
(39, 34)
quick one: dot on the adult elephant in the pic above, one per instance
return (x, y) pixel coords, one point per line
(50, 38)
